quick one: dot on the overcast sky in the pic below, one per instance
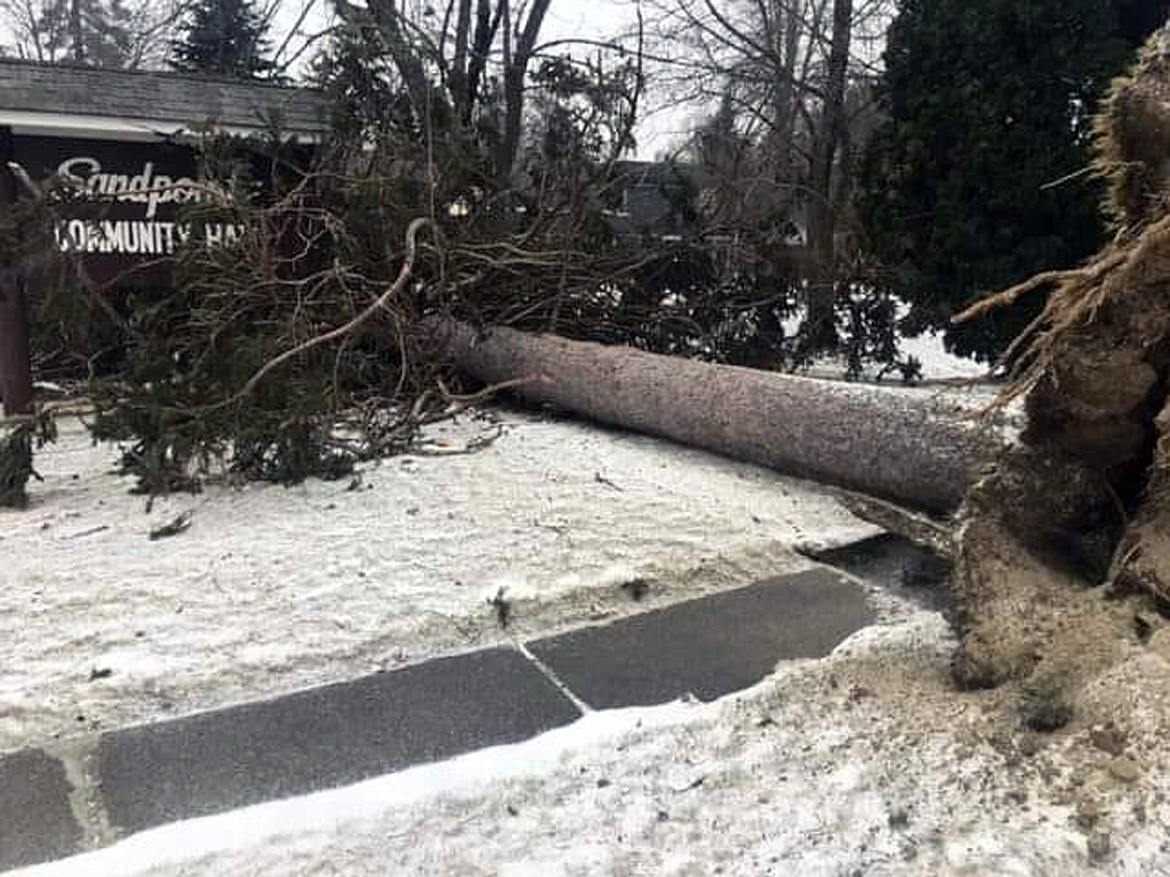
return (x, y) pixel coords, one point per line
(659, 130)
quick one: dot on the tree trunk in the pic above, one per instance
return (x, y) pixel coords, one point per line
(76, 35)
(515, 69)
(907, 446)
(418, 85)
(787, 23)
(457, 78)
(820, 330)
(487, 24)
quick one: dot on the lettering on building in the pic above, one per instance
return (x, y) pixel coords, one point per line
(149, 236)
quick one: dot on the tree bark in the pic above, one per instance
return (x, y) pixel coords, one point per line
(820, 326)
(487, 24)
(786, 21)
(911, 447)
(515, 69)
(457, 79)
(406, 59)
(76, 37)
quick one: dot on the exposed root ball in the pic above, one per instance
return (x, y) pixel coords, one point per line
(1133, 137)
(1077, 515)
(1142, 561)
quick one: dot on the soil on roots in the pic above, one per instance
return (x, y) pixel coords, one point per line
(1065, 539)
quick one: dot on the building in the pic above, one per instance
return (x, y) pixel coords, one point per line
(659, 199)
(55, 100)
(127, 138)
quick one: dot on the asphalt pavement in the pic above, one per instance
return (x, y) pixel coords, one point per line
(130, 779)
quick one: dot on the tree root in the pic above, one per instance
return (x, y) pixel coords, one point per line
(918, 528)
(1142, 558)
(1010, 296)
(1067, 535)
(1027, 566)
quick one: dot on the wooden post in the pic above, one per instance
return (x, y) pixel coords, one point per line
(15, 359)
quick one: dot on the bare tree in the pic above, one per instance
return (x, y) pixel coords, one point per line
(444, 65)
(37, 29)
(793, 76)
(151, 28)
(109, 34)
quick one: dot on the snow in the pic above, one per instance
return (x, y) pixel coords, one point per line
(866, 762)
(928, 347)
(939, 364)
(272, 589)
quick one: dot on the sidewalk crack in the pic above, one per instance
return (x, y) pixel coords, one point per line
(552, 677)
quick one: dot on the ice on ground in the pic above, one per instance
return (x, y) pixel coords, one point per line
(272, 589)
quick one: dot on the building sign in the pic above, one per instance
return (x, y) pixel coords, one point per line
(136, 191)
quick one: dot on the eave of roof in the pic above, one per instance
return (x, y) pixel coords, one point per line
(127, 104)
(92, 127)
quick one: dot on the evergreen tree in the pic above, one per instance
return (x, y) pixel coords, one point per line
(224, 38)
(975, 181)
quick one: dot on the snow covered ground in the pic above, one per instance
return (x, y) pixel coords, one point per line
(866, 762)
(937, 363)
(271, 589)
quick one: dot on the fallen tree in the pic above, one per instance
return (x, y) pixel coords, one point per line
(1063, 524)
(916, 448)
(1070, 514)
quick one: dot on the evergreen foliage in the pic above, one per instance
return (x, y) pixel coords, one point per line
(223, 38)
(323, 246)
(977, 179)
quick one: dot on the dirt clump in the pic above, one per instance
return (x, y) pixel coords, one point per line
(1066, 535)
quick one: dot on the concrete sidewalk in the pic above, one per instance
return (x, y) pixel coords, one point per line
(57, 804)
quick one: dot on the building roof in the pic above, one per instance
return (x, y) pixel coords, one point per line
(137, 104)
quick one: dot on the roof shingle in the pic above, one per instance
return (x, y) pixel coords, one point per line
(166, 98)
